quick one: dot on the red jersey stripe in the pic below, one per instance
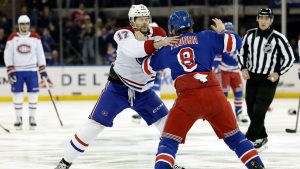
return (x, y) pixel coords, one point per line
(165, 157)
(248, 155)
(80, 141)
(229, 43)
(146, 67)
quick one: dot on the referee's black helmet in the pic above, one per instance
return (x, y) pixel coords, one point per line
(265, 12)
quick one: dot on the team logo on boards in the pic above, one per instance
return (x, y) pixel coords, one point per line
(267, 48)
(24, 49)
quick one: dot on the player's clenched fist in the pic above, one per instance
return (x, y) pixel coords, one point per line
(140, 36)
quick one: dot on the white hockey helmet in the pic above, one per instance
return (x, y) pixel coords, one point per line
(23, 19)
(138, 11)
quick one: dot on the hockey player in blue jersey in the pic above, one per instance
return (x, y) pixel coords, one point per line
(199, 95)
(226, 65)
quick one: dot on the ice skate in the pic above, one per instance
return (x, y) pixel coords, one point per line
(136, 118)
(32, 122)
(261, 144)
(254, 165)
(63, 164)
(177, 167)
(292, 112)
(18, 124)
(239, 117)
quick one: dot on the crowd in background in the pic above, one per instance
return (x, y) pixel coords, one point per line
(81, 30)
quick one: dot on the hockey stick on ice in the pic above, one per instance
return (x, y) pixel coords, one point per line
(297, 118)
(4, 128)
(48, 88)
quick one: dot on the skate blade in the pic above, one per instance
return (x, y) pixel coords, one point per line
(19, 128)
(244, 121)
(138, 121)
(32, 127)
(262, 148)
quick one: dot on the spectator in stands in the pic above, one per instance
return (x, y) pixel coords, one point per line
(108, 32)
(110, 55)
(72, 45)
(25, 11)
(48, 46)
(2, 46)
(294, 45)
(46, 20)
(72, 3)
(5, 25)
(33, 29)
(34, 5)
(102, 40)
(79, 15)
(87, 37)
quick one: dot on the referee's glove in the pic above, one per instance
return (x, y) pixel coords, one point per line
(12, 75)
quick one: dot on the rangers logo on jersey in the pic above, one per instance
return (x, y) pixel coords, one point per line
(24, 49)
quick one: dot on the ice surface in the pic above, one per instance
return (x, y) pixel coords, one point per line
(130, 145)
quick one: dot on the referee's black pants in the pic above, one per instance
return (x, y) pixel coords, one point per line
(259, 95)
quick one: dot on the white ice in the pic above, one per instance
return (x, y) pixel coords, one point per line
(130, 145)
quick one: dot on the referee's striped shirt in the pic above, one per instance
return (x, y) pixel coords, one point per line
(265, 54)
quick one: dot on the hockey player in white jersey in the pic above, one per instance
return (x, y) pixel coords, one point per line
(127, 86)
(24, 56)
(156, 86)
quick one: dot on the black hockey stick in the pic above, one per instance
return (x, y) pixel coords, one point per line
(48, 88)
(4, 128)
(294, 130)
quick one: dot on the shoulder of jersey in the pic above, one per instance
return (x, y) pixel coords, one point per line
(251, 30)
(159, 31)
(12, 36)
(204, 33)
(34, 35)
(129, 28)
(276, 32)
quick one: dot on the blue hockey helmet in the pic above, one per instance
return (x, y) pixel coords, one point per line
(229, 26)
(179, 20)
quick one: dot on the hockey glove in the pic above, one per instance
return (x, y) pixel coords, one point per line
(44, 75)
(12, 75)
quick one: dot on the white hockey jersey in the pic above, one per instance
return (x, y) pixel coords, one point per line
(24, 52)
(130, 53)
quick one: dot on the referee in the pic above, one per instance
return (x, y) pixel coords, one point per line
(265, 56)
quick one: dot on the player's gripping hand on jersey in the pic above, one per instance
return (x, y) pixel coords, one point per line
(12, 75)
(168, 41)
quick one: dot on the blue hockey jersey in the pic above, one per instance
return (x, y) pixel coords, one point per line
(195, 52)
(227, 62)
